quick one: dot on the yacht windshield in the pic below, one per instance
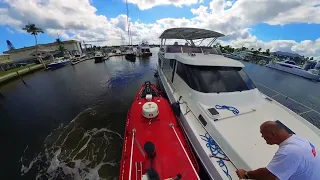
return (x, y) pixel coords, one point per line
(215, 79)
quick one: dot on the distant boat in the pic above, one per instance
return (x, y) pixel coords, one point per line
(143, 49)
(98, 56)
(58, 63)
(78, 58)
(291, 67)
(130, 55)
(116, 52)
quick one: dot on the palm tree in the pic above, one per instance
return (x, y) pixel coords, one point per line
(268, 52)
(243, 48)
(33, 30)
(58, 40)
(61, 48)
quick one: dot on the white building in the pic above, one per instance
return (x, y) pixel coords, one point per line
(4, 58)
(28, 53)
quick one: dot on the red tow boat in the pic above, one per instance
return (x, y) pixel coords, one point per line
(155, 147)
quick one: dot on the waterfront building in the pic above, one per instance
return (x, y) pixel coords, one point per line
(29, 55)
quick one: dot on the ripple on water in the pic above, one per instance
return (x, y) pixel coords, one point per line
(76, 151)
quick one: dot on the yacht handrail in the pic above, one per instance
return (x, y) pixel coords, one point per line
(301, 104)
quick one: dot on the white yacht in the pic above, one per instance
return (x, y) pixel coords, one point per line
(143, 49)
(219, 107)
(98, 56)
(291, 67)
(116, 52)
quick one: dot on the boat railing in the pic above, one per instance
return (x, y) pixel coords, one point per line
(184, 150)
(190, 49)
(307, 112)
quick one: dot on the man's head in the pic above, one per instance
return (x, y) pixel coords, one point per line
(273, 133)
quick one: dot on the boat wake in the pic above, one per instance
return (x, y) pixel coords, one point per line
(75, 151)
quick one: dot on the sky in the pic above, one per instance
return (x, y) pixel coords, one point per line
(284, 25)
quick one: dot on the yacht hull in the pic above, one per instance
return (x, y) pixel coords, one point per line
(98, 59)
(54, 66)
(145, 55)
(295, 71)
(192, 129)
(130, 57)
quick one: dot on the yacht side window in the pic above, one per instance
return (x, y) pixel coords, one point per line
(214, 79)
(181, 71)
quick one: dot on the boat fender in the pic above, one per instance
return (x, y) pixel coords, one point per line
(149, 97)
(150, 110)
(176, 108)
(150, 149)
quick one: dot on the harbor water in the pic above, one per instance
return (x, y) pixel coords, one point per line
(69, 123)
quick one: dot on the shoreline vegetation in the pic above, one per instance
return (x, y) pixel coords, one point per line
(18, 72)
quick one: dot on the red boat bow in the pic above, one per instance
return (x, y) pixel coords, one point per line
(155, 147)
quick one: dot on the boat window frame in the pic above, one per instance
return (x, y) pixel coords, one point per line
(173, 67)
(188, 83)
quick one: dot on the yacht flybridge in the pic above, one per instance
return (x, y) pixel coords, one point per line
(219, 106)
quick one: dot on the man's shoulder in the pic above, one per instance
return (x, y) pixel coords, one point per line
(290, 149)
(296, 146)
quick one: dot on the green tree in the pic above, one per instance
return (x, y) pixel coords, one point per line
(222, 49)
(268, 52)
(259, 49)
(61, 47)
(252, 49)
(58, 40)
(34, 30)
(311, 58)
(243, 48)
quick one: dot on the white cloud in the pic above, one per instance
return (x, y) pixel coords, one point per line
(78, 19)
(147, 4)
(307, 47)
(9, 30)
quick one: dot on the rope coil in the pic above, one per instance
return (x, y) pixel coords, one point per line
(217, 152)
(234, 110)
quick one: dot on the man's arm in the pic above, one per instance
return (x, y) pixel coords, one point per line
(261, 173)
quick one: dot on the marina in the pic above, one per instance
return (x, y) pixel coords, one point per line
(80, 96)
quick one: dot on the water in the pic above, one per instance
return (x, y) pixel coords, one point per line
(69, 123)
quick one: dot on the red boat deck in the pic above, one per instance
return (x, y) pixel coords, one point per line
(170, 159)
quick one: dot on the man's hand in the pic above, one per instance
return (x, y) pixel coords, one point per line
(241, 173)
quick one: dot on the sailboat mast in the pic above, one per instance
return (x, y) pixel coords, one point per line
(128, 23)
